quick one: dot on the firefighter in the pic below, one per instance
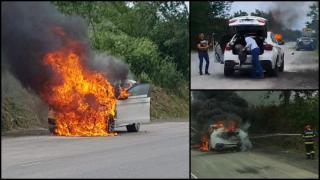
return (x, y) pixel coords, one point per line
(308, 138)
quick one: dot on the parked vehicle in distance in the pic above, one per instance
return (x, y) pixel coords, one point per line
(306, 43)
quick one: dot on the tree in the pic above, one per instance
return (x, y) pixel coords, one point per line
(152, 37)
(313, 15)
(240, 13)
(208, 17)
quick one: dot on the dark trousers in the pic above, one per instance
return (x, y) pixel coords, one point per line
(309, 150)
(203, 55)
(256, 66)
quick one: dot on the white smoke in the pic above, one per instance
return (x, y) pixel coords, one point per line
(245, 141)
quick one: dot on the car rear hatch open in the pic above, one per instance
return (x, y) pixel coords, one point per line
(248, 25)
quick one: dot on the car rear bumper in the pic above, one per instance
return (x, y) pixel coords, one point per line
(266, 65)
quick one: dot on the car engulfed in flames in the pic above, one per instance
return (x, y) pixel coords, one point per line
(221, 135)
(81, 102)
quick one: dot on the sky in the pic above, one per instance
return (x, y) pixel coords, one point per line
(301, 9)
(257, 97)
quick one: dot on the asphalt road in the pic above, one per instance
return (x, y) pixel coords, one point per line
(159, 150)
(301, 71)
(251, 164)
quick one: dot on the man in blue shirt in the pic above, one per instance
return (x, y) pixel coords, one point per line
(252, 46)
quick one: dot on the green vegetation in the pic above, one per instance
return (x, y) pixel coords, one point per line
(19, 108)
(166, 105)
(209, 17)
(295, 110)
(152, 37)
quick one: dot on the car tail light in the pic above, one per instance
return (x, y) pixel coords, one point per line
(267, 47)
(232, 21)
(228, 47)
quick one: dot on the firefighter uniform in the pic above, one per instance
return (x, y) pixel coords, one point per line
(308, 138)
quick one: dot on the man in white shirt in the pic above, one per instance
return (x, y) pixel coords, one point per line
(252, 46)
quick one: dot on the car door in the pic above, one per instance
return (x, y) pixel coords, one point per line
(136, 108)
(278, 50)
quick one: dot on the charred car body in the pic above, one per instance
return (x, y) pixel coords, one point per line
(130, 112)
(271, 54)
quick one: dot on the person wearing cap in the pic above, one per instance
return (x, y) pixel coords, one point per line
(308, 138)
(251, 45)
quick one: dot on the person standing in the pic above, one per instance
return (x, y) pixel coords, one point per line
(252, 46)
(308, 138)
(203, 46)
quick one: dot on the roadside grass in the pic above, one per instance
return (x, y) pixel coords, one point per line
(19, 108)
(290, 143)
(169, 105)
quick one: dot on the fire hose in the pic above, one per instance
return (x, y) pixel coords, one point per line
(275, 134)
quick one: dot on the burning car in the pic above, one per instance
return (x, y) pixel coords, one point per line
(221, 136)
(271, 55)
(132, 109)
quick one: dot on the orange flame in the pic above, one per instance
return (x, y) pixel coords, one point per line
(230, 126)
(123, 94)
(82, 100)
(277, 37)
(204, 144)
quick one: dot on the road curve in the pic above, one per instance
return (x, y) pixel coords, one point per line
(159, 150)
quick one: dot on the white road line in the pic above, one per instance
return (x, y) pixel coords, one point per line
(194, 176)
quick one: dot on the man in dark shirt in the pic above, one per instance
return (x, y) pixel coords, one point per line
(203, 46)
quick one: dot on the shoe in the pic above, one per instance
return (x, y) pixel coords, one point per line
(200, 73)
(207, 73)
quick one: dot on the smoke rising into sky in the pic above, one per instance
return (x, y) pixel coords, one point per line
(27, 35)
(291, 13)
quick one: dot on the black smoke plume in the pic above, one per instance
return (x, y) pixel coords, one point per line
(27, 35)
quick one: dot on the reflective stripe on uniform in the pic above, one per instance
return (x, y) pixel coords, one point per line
(308, 153)
(308, 142)
(308, 136)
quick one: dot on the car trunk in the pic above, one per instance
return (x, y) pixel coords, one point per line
(259, 34)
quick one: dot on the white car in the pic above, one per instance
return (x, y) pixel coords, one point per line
(220, 140)
(271, 56)
(130, 112)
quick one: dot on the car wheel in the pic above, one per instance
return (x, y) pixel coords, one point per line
(51, 125)
(228, 71)
(133, 127)
(282, 65)
(274, 72)
(110, 125)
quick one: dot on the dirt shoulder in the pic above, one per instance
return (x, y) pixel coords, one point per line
(287, 149)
